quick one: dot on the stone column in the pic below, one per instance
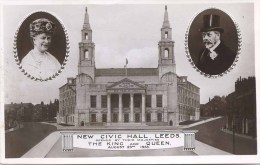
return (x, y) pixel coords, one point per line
(143, 108)
(165, 116)
(67, 142)
(131, 107)
(120, 115)
(189, 141)
(164, 101)
(99, 101)
(153, 101)
(108, 108)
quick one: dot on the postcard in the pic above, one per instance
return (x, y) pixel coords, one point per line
(129, 82)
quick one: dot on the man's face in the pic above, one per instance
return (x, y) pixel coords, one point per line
(42, 42)
(210, 38)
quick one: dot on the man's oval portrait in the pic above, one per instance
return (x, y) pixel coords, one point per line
(213, 41)
(41, 46)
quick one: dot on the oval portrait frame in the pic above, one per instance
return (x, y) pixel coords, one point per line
(59, 45)
(193, 57)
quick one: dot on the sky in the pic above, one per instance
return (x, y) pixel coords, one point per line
(123, 31)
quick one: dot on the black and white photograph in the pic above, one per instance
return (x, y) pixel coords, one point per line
(213, 41)
(41, 45)
(111, 83)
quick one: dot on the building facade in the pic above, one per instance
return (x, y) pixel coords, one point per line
(241, 107)
(148, 96)
(188, 100)
(67, 103)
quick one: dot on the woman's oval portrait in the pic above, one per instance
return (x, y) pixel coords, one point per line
(41, 46)
(213, 42)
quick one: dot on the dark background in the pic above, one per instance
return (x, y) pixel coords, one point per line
(58, 44)
(229, 37)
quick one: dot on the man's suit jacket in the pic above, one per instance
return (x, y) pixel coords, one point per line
(220, 64)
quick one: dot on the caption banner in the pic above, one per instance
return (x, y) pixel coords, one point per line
(127, 141)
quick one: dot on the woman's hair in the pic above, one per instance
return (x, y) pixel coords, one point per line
(40, 26)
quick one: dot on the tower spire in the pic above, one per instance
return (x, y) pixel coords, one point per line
(166, 60)
(166, 23)
(86, 49)
(86, 24)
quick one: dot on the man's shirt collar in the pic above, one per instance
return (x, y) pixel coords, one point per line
(215, 46)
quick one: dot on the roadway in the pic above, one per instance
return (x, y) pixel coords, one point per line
(211, 134)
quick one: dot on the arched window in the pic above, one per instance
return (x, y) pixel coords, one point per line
(166, 53)
(86, 36)
(166, 35)
(86, 54)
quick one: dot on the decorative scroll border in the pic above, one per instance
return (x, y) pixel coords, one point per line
(18, 62)
(189, 56)
(189, 140)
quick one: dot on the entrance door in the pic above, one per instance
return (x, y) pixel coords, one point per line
(115, 118)
(137, 117)
(148, 117)
(126, 117)
(82, 123)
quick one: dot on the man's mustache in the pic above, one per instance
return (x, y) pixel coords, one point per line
(207, 42)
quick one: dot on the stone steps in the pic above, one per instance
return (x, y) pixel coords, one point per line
(126, 124)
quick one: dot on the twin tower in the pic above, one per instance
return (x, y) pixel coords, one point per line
(142, 96)
(166, 62)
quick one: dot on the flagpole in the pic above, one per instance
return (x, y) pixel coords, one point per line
(126, 62)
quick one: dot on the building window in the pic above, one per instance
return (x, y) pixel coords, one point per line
(166, 35)
(93, 118)
(86, 54)
(103, 101)
(115, 118)
(159, 117)
(104, 117)
(86, 36)
(148, 101)
(166, 53)
(159, 100)
(148, 117)
(93, 101)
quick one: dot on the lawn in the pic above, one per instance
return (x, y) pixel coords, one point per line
(18, 142)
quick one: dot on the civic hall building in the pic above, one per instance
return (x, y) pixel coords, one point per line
(145, 96)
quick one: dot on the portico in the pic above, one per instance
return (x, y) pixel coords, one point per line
(126, 102)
